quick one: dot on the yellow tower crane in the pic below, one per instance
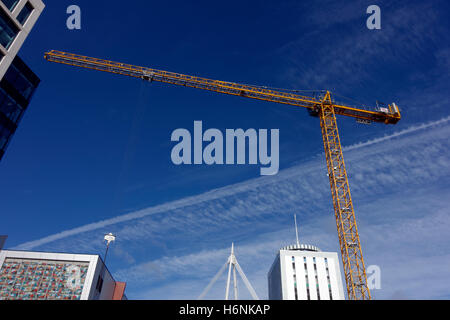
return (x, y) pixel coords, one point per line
(322, 106)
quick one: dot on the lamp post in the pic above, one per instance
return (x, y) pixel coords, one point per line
(108, 238)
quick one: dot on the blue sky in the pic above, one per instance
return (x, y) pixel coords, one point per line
(92, 154)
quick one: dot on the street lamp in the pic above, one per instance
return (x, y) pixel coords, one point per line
(108, 238)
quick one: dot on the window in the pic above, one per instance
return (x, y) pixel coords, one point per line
(328, 280)
(317, 288)
(9, 107)
(295, 280)
(295, 287)
(8, 30)
(307, 283)
(99, 285)
(10, 4)
(20, 82)
(5, 134)
(307, 288)
(25, 13)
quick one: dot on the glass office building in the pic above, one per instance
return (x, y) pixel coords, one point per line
(8, 30)
(16, 90)
(17, 81)
(17, 19)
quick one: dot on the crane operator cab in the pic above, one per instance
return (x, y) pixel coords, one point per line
(388, 109)
(393, 108)
(392, 112)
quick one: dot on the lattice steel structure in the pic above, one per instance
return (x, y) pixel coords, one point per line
(321, 105)
(352, 259)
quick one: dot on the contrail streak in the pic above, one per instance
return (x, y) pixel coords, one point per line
(207, 196)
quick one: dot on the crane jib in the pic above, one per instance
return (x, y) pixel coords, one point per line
(230, 88)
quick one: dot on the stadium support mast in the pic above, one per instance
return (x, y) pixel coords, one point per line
(232, 265)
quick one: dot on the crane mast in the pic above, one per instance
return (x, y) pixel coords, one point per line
(323, 106)
(350, 245)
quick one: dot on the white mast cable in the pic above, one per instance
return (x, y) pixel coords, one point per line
(230, 261)
(233, 257)
(235, 283)
(211, 283)
(247, 283)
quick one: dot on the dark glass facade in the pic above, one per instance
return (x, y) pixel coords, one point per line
(8, 30)
(25, 13)
(10, 4)
(16, 90)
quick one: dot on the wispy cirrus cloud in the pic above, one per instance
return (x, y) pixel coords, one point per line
(343, 63)
(255, 203)
(409, 263)
(394, 182)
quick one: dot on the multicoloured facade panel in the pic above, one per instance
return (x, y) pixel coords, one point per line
(28, 279)
(32, 275)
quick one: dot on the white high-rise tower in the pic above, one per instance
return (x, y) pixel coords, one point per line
(303, 272)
